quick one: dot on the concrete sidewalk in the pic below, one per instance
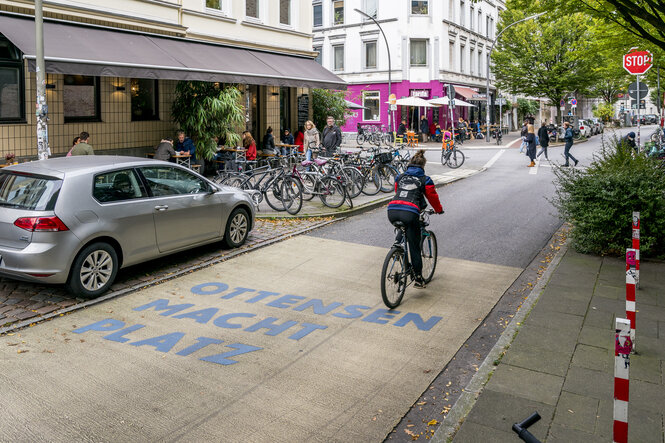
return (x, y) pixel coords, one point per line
(561, 361)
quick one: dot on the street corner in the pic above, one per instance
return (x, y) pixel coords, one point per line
(281, 329)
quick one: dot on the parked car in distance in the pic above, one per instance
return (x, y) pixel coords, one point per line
(650, 119)
(78, 220)
(598, 125)
(584, 127)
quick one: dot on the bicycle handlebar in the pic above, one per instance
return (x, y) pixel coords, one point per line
(521, 428)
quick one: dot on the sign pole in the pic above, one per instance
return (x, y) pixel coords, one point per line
(622, 350)
(631, 281)
(636, 245)
(639, 112)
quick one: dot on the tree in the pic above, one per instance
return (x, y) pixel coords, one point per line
(604, 111)
(550, 57)
(526, 108)
(327, 102)
(205, 111)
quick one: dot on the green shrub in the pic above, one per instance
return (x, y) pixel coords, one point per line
(600, 201)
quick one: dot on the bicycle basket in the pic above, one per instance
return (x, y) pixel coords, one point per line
(385, 157)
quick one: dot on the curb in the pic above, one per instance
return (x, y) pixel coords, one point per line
(464, 404)
(143, 285)
(359, 209)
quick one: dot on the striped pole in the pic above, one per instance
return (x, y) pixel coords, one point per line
(636, 246)
(622, 349)
(631, 262)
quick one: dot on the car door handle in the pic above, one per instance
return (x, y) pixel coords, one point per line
(161, 207)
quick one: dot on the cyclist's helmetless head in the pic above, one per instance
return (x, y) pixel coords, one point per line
(418, 159)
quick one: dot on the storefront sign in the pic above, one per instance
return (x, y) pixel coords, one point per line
(422, 93)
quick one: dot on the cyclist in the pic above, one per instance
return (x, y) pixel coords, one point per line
(411, 189)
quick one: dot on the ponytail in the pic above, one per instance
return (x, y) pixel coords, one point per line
(418, 159)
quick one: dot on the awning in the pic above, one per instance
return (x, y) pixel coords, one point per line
(74, 48)
(468, 93)
(445, 101)
(354, 106)
(413, 101)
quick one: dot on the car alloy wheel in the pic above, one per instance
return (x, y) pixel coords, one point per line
(96, 270)
(237, 228)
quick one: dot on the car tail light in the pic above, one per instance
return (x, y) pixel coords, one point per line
(42, 224)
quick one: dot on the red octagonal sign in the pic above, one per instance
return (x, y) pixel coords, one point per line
(637, 62)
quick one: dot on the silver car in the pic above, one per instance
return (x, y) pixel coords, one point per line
(78, 220)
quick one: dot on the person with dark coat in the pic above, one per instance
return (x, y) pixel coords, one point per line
(531, 144)
(424, 127)
(401, 130)
(629, 140)
(568, 137)
(287, 139)
(544, 139)
(268, 144)
(185, 145)
(332, 137)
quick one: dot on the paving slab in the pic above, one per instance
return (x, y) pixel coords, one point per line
(563, 434)
(538, 358)
(533, 335)
(577, 412)
(563, 305)
(591, 357)
(598, 337)
(281, 340)
(475, 433)
(588, 382)
(532, 385)
(645, 425)
(555, 320)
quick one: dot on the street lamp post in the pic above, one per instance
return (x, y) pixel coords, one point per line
(390, 125)
(489, 61)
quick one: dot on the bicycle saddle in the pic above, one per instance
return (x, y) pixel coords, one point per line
(320, 162)
(399, 224)
(306, 162)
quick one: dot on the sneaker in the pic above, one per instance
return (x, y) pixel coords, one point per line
(419, 282)
(576, 162)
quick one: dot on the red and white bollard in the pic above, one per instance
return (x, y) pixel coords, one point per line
(631, 281)
(622, 348)
(636, 246)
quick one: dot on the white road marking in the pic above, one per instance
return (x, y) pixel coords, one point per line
(509, 145)
(494, 159)
(534, 170)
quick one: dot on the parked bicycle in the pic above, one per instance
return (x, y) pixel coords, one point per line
(397, 272)
(497, 134)
(451, 155)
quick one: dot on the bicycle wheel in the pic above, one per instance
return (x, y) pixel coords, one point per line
(456, 159)
(372, 182)
(308, 186)
(428, 251)
(273, 195)
(356, 181)
(393, 278)
(291, 193)
(332, 192)
(444, 158)
(388, 174)
(237, 181)
(361, 139)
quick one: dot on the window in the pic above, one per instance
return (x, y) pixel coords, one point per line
(480, 63)
(487, 26)
(372, 103)
(81, 98)
(338, 12)
(461, 59)
(370, 55)
(461, 12)
(31, 192)
(214, 4)
(451, 56)
(418, 53)
(12, 90)
(451, 10)
(370, 8)
(252, 8)
(338, 61)
(285, 12)
(318, 50)
(472, 14)
(318, 15)
(145, 99)
(419, 7)
(166, 180)
(490, 30)
(480, 22)
(117, 186)
(472, 60)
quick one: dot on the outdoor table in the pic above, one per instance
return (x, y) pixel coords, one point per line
(183, 159)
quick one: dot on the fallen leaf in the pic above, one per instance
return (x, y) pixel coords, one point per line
(421, 403)
(432, 423)
(21, 351)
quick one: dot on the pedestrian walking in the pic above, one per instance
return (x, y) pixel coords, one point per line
(544, 138)
(523, 135)
(83, 148)
(568, 137)
(424, 127)
(531, 144)
(332, 137)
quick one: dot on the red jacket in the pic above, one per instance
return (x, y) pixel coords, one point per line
(300, 140)
(251, 152)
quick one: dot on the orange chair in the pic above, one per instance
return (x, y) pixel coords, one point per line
(411, 139)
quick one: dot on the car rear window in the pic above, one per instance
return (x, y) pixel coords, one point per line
(26, 191)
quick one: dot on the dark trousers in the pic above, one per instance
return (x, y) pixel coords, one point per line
(566, 153)
(543, 150)
(412, 222)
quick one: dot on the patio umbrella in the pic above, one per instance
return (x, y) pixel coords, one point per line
(351, 105)
(445, 101)
(414, 101)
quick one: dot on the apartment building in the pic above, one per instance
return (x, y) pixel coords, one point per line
(112, 67)
(431, 43)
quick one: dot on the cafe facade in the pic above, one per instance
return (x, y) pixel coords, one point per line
(113, 73)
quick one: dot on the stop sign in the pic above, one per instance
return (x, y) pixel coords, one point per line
(637, 62)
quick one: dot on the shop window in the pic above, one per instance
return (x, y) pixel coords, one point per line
(145, 99)
(81, 98)
(418, 54)
(338, 12)
(285, 12)
(370, 55)
(252, 8)
(371, 100)
(420, 7)
(318, 15)
(338, 54)
(12, 88)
